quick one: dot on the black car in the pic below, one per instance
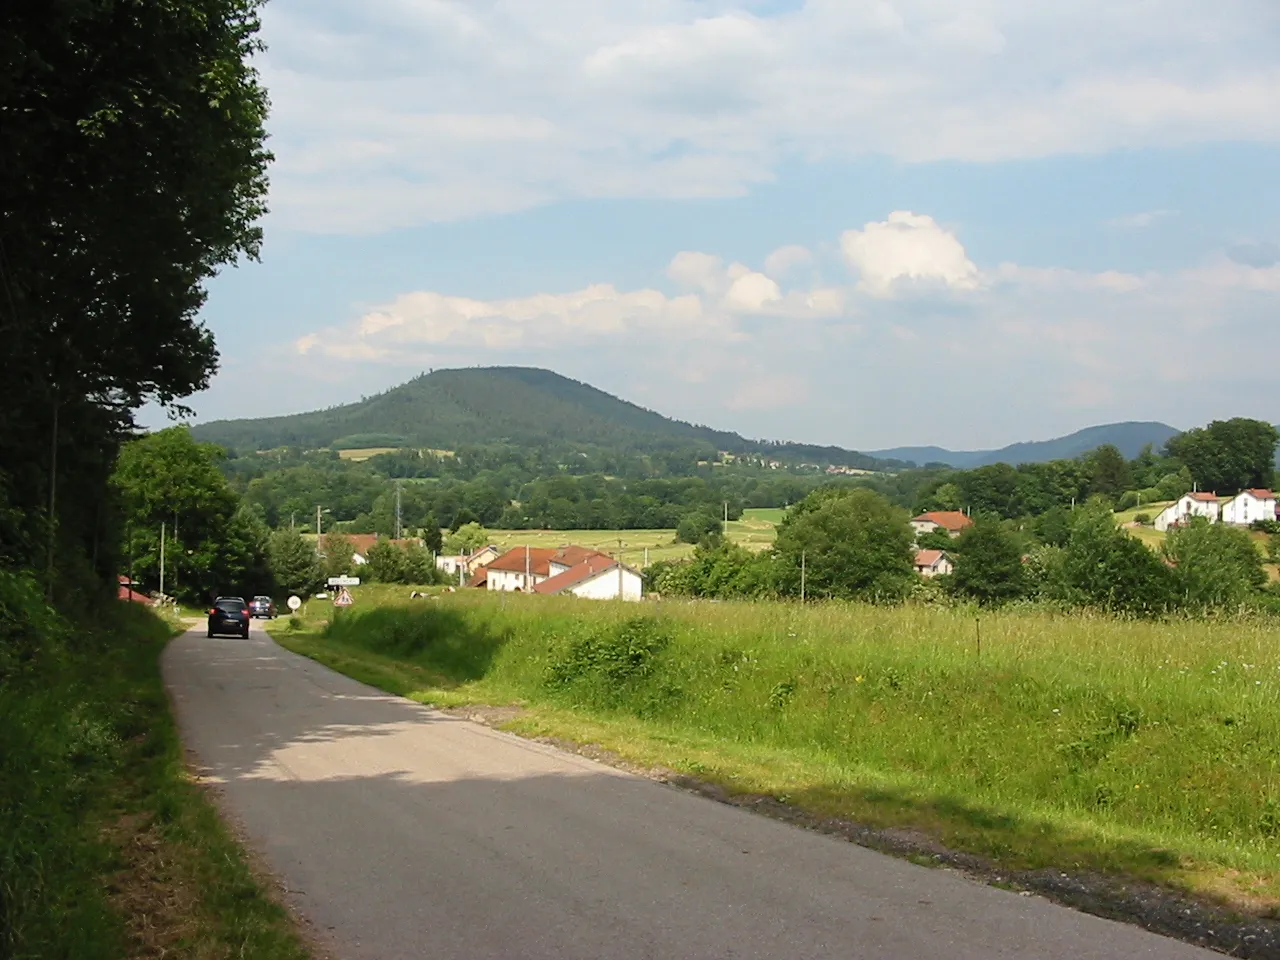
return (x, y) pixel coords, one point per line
(229, 615)
(262, 607)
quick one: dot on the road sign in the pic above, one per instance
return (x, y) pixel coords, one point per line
(294, 603)
(343, 599)
(344, 581)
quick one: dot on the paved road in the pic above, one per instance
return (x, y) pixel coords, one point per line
(406, 833)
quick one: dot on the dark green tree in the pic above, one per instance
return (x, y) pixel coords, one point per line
(988, 564)
(432, 534)
(294, 562)
(699, 525)
(386, 562)
(854, 544)
(1109, 473)
(338, 553)
(134, 169)
(1228, 456)
(1104, 567)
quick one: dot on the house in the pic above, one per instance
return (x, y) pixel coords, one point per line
(598, 577)
(932, 563)
(463, 565)
(126, 591)
(1195, 504)
(520, 569)
(952, 521)
(1249, 506)
(360, 544)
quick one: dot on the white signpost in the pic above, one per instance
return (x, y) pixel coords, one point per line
(294, 603)
(344, 581)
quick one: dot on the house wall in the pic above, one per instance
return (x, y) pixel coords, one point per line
(604, 586)
(1187, 507)
(1246, 509)
(509, 580)
(924, 526)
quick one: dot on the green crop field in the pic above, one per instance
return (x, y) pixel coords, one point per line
(755, 531)
(1141, 749)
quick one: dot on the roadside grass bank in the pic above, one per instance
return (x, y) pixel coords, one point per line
(1132, 749)
(107, 848)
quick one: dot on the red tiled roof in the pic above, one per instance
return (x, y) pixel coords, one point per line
(928, 558)
(576, 574)
(360, 542)
(947, 519)
(1261, 494)
(1203, 496)
(481, 579)
(514, 560)
(572, 555)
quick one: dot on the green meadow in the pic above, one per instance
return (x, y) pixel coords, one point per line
(1143, 749)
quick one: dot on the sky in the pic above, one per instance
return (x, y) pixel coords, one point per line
(869, 223)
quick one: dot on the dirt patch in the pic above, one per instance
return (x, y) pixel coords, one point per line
(1158, 909)
(157, 907)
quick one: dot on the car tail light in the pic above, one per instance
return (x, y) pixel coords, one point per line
(213, 611)
(245, 611)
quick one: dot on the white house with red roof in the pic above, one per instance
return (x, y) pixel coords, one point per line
(933, 563)
(1249, 506)
(1198, 503)
(575, 570)
(598, 577)
(952, 521)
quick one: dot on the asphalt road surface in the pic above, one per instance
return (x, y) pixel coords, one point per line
(401, 832)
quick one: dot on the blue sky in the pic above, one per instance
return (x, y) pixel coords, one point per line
(866, 223)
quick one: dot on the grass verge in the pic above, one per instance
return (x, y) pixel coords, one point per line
(1139, 750)
(107, 847)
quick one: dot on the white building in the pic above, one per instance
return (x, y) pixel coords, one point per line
(952, 521)
(932, 563)
(1197, 504)
(598, 578)
(1249, 506)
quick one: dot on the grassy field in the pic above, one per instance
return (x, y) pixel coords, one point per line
(755, 531)
(107, 848)
(359, 454)
(1138, 749)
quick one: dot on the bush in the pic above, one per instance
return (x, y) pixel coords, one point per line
(1216, 565)
(1142, 519)
(699, 525)
(1106, 568)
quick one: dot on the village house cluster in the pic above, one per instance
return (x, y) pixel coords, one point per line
(568, 570)
(933, 563)
(1246, 507)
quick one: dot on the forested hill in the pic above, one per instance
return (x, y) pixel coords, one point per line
(1129, 438)
(520, 406)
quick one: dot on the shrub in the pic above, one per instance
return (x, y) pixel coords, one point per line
(1142, 519)
(697, 526)
(989, 564)
(1216, 565)
(1106, 568)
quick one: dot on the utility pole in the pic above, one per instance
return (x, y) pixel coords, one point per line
(725, 531)
(619, 558)
(397, 509)
(802, 572)
(526, 568)
(317, 523)
(162, 558)
(293, 517)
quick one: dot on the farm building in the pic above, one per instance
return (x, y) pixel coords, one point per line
(1249, 506)
(463, 565)
(1195, 504)
(932, 563)
(597, 578)
(580, 571)
(952, 521)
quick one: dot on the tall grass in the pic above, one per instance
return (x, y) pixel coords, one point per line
(107, 849)
(1036, 738)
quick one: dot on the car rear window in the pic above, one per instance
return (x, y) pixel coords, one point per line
(230, 605)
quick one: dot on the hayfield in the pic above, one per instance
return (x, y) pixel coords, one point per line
(1137, 748)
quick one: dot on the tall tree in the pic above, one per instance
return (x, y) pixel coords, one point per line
(1228, 455)
(294, 562)
(854, 545)
(989, 563)
(1109, 473)
(134, 168)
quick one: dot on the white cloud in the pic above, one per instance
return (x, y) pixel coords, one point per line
(907, 247)
(785, 259)
(1027, 351)
(396, 112)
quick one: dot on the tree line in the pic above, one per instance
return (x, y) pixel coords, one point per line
(853, 544)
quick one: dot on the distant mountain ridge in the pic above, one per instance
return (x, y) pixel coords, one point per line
(521, 406)
(1129, 437)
